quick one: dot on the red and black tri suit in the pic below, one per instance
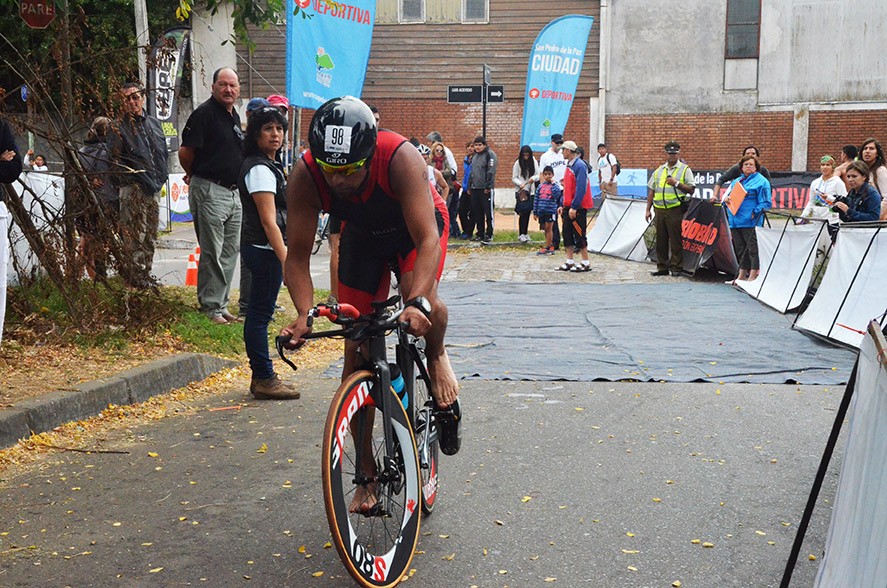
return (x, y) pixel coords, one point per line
(374, 232)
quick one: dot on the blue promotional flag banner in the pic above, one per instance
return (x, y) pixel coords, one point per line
(327, 49)
(552, 76)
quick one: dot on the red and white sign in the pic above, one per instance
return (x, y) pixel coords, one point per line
(303, 3)
(37, 14)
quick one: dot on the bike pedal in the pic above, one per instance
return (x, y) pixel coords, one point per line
(449, 423)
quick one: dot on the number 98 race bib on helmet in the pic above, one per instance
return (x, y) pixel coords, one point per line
(342, 131)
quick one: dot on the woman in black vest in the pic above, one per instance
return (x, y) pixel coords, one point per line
(262, 247)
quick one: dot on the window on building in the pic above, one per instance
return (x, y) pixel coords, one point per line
(475, 10)
(412, 10)
(743, 28)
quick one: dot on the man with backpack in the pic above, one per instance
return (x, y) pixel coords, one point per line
(608, 169)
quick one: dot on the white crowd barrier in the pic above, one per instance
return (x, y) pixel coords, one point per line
(856, 546)
(619, 229)
(854, 288)
(787, 259)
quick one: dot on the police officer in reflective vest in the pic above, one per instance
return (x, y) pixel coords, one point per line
(667, 191)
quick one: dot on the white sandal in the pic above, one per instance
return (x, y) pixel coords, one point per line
(565, 267)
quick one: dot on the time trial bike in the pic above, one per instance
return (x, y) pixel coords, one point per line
(380, 445)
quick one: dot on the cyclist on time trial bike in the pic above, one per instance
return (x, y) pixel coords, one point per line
(378, 184)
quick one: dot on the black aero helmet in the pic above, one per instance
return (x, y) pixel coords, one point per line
(342, 132)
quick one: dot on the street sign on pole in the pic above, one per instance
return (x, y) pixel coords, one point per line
(495, 93)
(37, 14)
(464, 94)
(488, 74)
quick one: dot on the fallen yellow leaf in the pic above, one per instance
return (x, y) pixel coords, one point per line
(450, 557)
(526, 499)
(632, 569)
(676, 584)
(695, 541)
(498, 522)
(327, 545)
(317, 574)
(444, 536)
(503, 572)
(155, 570)
(153, 454)
(262, 448)
(551, 579)
(811, 557)
(630, 551)
(761, 533)
(708, 545)
(301, 549)
(629, 533)
(657, 500)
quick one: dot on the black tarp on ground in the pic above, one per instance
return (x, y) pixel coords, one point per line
(676, 332)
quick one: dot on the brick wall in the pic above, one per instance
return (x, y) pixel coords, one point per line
(708, 141)
(829, 131)
(460, 123)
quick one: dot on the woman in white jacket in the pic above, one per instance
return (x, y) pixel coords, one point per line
(524, 174)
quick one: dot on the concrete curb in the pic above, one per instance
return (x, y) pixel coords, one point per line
(174, 243)
(90, 398)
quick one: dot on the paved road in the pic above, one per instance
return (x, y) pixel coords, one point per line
(173, 249)
(591, 483)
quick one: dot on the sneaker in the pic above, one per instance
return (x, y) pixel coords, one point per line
(551, 250)
(449, 428)
(464, 236)
(272, 388)
(544, 251)
(486, 240)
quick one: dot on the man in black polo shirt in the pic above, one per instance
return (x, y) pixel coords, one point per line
(211, 156)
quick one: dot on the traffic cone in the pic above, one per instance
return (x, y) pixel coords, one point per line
(197, 253)
(191, 272)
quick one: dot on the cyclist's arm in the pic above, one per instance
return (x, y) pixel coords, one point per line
(409, 181)
(302, 206)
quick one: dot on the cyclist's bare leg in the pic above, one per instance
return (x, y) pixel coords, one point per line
(444, 386)
(364, 498)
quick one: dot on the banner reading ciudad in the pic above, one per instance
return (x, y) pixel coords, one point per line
(327, 49)
(552, 76)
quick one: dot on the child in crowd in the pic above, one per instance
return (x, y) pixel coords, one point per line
(549, 198)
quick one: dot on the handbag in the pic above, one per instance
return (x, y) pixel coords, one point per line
(523, 202)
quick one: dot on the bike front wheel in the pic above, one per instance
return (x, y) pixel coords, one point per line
(427, 443)
(376, 543)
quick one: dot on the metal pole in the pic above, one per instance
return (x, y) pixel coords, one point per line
(142, 39)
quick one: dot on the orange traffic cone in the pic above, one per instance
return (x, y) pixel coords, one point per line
(197, 253)
(191, 272)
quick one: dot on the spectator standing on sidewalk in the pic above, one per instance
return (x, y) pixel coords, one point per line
(138, 146)
(524, 175)
(549, 199)
(246, 278)
(577, 201)
(735, 172)
(10, 170)
(667, 191)
(211, 155)
(749, 215)
(823, 192)
(262, 188)
(863, 203)
(872, 154)
(555, 159)
(35, 162)
(100, 218)
(607, 171)
(466, 220)
(481, 183)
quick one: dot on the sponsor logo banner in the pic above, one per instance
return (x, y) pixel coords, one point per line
(164, 78)
(706, 238)
(552, 75)
(327, 49)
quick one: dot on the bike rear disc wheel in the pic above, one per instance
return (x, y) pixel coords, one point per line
(376, 548)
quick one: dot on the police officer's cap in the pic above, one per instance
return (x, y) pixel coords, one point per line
(672, 147)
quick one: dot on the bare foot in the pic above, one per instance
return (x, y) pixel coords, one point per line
(443, 380)
(364, 498)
